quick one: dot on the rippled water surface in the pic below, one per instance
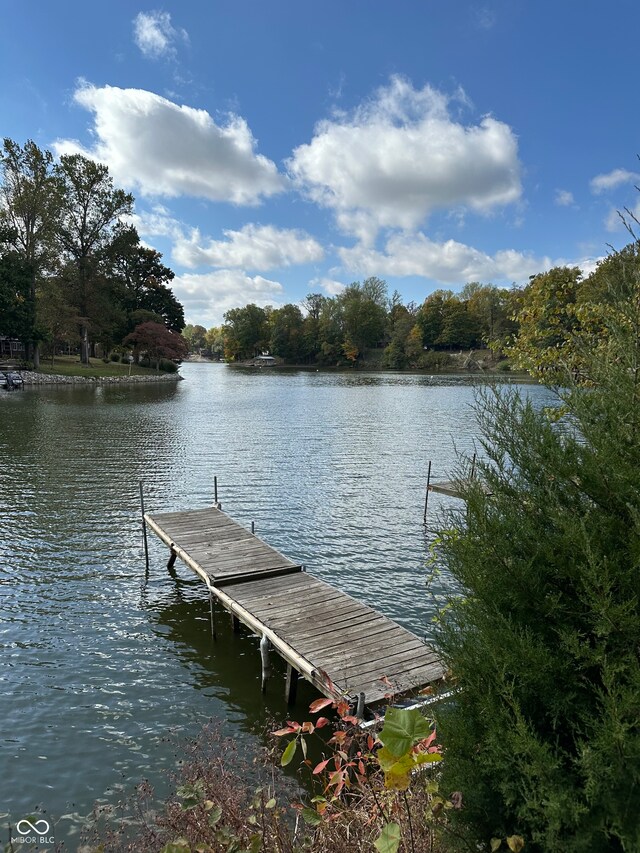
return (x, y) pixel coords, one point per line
(100, 667)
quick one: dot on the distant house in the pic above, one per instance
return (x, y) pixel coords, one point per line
(264, 361)
(11, 348)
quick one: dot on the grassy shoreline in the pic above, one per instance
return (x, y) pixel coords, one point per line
(69, 365)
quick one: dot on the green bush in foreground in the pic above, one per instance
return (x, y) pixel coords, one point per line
(544, 737)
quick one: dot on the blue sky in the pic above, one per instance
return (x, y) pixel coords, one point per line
(281, 148)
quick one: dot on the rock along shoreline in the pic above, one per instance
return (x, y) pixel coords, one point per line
(30, 377)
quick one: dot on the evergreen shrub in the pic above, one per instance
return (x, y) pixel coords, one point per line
(544, 736)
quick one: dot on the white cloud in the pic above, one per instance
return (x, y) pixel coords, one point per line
(564, 198)
(449, 262)
(158, 222)
(206, 297)
(611, 180)
(158, 148)
(614, 220)
(254, 247)
(155, 35)
(400, 156)
(330, 286)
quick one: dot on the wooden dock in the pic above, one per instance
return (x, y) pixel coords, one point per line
(341, 645)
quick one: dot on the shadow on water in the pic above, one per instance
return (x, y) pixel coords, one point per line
(228, 667)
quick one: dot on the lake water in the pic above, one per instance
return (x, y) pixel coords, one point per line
(101, 668)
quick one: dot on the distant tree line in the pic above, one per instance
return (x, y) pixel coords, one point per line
(72, 269)
(344, 328)
(541, 327)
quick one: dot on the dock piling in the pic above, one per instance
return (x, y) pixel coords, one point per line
(426, 496)
(360, 706)
(265, 646)
(216, 503)
(291, 684)
(172, 559)
(212, 616)
(144, 529)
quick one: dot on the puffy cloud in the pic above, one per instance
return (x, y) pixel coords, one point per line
(161, 149)
(206, 297)
(155, 35)
(254, 247)
(330, 286)
(564, 198)
(611, 180)
(449, 262)
(400, 156)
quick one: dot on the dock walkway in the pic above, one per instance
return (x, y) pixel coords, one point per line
(341, 645)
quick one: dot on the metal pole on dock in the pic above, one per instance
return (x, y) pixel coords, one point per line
(360, 706)
(253, 527)
(215, 494)
(473, 466)
(144, 528)
(426, 497)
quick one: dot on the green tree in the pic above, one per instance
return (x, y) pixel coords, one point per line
(491, 309)
(363, 313)
(195, 336)
(90, 223)
(548, 323)
(16, 314)
(430, 316)
(215, 341)
(247, 331)
(29, 205)
(400, 322)
(56, 318)
(544, 735)
(459, 328)
(313, 304)
(287, 338)
(144, 280)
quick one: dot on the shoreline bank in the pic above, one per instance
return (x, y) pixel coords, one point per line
(32, 377)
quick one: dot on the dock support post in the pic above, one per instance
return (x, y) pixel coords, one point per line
(172, 559)
(144, 529)
(265, 645)
(235, 624)
(215, 494)
(253, 527)
(426, 497)
(291, 684)
(360, 706)
(212, 616)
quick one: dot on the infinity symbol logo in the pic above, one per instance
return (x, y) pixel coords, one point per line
(40, 827)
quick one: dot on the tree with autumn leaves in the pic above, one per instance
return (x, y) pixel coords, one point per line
(73, 268)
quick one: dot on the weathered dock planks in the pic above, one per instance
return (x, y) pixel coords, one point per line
(219, 549)
(344, 647)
